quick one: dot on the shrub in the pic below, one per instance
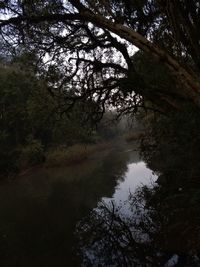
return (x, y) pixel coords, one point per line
(32, 153)
(9, 164)
(67, 156)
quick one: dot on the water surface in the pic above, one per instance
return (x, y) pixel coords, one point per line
(39, 212)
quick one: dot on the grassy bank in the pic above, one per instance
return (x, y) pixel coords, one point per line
(135, 136)
(75, 154)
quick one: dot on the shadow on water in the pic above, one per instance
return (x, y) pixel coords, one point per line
(39, 211)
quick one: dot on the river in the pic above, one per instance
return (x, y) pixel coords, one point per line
(41, 210)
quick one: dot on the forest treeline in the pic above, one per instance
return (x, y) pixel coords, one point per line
(32, 121)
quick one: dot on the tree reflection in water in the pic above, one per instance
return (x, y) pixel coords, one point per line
(163, 227)
(143, 238)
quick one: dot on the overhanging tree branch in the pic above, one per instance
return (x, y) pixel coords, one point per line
(187, 80)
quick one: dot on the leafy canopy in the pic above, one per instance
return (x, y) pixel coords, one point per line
(91, 45)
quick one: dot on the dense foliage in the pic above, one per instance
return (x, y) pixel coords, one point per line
(32, 120)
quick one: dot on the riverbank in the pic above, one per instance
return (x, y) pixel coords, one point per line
(134, 136)
(62, 156)
(76, 154)
(68, 156)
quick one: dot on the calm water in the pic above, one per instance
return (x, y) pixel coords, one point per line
(39, 212)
